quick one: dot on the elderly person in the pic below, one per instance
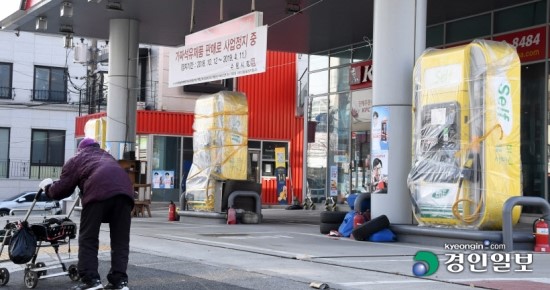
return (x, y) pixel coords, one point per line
(107, 197)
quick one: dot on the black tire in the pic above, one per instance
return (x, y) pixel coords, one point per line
(4, 212)
(364, 231)
(31, 279)
(73, 273)
(325, 228)
(4, 276)
(333, 217)
(43, 272)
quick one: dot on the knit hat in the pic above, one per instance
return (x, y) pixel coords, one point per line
(87, 142)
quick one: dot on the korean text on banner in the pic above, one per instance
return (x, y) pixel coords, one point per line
(233, 55)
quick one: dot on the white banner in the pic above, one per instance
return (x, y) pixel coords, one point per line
(233, 55)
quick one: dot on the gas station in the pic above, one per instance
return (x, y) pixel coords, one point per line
(398, 33)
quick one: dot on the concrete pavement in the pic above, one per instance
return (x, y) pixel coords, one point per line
(285, 251)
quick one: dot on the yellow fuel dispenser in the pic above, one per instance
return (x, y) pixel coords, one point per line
(466, 135)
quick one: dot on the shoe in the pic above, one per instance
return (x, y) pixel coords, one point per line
(92, 285)
(122, 286)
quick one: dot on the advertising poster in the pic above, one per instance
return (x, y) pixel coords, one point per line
(333, 180)
(163, 179)
(379, 150)
(280, 173)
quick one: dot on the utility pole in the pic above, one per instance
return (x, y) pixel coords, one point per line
(91, 87)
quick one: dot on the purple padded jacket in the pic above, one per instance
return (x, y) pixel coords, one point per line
(96, 173)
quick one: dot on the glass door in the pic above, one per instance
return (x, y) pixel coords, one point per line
(360, 164)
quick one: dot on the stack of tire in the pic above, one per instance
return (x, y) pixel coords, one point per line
(331, 221)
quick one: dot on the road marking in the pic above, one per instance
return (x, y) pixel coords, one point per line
(233, 246)
(533, 279)
(360, 283)
(362, 260)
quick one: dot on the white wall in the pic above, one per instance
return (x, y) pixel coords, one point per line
(22, 114)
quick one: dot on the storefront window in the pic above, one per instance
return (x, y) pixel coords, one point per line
(434, 35)
(339, 145)
(317, 150)
(469, 28)
(318, 83)
(362, 52)
(165, 171)
(339, 79)
(317, 62)
(533, 109)
(520, 17)
(340, 58)
(361, 103)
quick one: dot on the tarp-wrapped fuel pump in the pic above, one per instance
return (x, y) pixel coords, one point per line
(220, 147)
(466, 135)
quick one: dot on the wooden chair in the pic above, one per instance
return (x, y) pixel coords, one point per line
(142, 201)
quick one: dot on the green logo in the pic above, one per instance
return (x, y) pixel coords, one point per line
(440, 193)
(427, 263)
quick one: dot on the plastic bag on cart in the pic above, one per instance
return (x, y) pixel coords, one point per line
(22, 245)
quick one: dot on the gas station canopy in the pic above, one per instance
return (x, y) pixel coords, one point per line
(302, 26)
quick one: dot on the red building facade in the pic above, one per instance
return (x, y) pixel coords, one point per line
(272, 116)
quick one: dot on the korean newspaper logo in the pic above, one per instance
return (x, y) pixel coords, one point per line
(427, 263)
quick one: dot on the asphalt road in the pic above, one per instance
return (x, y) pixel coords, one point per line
(286, 251)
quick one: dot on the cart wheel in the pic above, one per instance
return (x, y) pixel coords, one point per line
(73, 273)
(4, 276)
(43, 272)
(31, 279)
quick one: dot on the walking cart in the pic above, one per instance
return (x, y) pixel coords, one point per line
(51, 232)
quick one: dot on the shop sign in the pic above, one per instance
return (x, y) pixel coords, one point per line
(360, 75)
(530, 43)
(230, 56)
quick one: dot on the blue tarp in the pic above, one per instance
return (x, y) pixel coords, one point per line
(346, 227)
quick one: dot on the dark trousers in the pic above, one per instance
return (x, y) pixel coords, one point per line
(115, 211)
